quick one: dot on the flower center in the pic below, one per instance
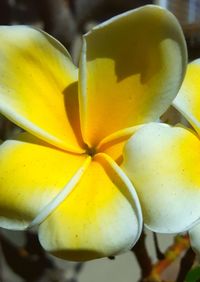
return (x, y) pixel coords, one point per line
(90, 151)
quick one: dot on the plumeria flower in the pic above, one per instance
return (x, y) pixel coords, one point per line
(188, 103)
(163, 163)
(63, 174)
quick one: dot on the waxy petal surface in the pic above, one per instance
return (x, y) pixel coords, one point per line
(31, 175)
(194, 239)
(188, 99)
(113, 144)
(38, 86)
(164, 165)
(101, 216)
(131, 69)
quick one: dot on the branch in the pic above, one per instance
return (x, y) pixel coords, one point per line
(159, 254)
(181, 243)
(186, 264)
(142, 256)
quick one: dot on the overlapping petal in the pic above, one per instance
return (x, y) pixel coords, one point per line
(164, 165)
(31, 175)
(131, 68)
(101, 216)
(113, 144)
(195, 239)
(188, 99)
(38, 86)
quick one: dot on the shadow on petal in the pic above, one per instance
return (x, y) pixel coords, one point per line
(77, 255)
(71, 101)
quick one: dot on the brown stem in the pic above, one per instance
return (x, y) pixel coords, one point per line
(159, 254)
(142, 256)
(186, 264)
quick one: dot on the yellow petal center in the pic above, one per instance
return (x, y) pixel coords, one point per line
(91, 151)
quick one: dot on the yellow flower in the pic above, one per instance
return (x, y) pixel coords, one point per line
(166, 166)
(64, 173)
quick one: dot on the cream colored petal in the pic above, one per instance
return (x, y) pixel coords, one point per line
(31, 176)
(131, 69)
(38, 86)
(101, 217)
(164, 165)
(195, 239)
(188, 99)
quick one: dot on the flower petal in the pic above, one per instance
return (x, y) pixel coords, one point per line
(38, 86)
(195, 239)
(164, 166)
(101, 217)
(113, 144)
(188, 99)
(131, 68)
(31, 175)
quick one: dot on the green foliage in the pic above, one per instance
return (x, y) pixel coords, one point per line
(193, 275)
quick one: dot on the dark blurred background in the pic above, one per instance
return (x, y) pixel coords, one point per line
(68, 19)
